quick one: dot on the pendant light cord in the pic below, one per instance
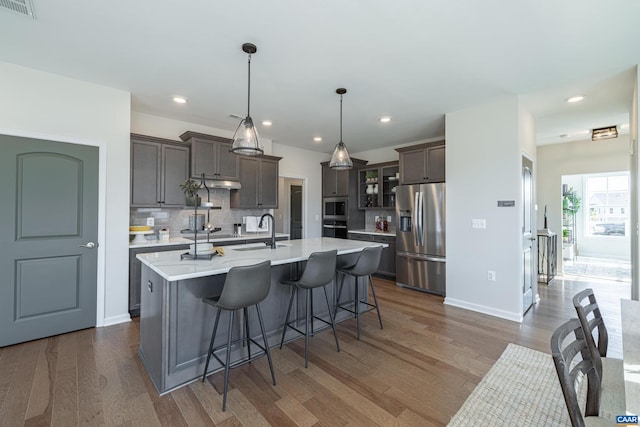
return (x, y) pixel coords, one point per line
(340, 118)
(249, 87)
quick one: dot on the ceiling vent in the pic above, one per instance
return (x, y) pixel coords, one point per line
(604, 133)
(21, 7)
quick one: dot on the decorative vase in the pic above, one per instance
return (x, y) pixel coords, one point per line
(370, 189)
(192, 200)
(375, 188)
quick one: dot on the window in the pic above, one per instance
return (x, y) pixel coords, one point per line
(607, 198)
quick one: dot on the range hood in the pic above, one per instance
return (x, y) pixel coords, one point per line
(229, 185)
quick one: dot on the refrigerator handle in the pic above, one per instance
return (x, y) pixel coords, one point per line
(420, 229)
(416, 224)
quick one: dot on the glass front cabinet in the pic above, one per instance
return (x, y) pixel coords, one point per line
(377, 186)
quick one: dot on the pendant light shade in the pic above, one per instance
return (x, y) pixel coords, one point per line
(245, 140)
(340, 159)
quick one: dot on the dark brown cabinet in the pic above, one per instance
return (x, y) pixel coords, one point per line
(259, 179)
(334, 182)
(158, 167)
(422, 163)
(211, 155)
(377, 185)
(387, 266)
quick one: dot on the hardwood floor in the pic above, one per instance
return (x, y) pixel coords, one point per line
(417, 371)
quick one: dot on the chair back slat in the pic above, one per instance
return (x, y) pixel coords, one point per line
(572, 357)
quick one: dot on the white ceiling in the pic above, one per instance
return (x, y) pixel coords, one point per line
(414, 60)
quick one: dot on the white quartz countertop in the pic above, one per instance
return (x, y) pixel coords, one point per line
(169, 266)
(224, 238)
(374, 232)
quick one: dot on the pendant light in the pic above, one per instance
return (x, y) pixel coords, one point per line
(340, 159)
(245, 140)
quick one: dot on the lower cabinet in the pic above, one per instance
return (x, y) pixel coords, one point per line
(387, 267)
(135, 265)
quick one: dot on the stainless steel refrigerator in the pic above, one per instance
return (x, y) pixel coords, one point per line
(420, 237)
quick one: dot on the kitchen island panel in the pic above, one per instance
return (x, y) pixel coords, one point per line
(176, 326)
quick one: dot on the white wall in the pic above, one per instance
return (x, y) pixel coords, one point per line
(387, 154)
(163, 127)
(483, 165)
(634, 172)
(573, 158)
(305, 165)
(48, 106)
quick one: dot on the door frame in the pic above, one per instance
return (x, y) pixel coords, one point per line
(305, 199)
(534, 230)
(102, 191)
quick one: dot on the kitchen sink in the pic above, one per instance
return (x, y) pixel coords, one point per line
(258, 246)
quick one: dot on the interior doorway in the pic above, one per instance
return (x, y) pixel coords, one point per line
(596, 238)
(290, 213)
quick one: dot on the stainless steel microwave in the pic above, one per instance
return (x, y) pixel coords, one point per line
(335, 208)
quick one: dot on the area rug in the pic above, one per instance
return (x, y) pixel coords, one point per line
(520, 389)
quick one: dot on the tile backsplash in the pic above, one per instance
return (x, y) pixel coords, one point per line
(371, 214)
(177, 219)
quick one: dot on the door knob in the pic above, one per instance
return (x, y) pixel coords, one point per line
(89, 245)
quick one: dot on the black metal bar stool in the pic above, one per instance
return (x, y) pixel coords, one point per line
(366, 265)
(318, 272)
(244, 286)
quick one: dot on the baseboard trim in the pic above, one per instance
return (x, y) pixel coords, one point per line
(515, 317)
(114, 320)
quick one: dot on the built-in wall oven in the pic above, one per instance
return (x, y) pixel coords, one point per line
(334, 217)
(334, 228)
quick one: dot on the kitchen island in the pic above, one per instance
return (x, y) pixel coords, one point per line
(175, 326)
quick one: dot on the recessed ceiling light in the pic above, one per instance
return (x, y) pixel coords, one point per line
(604, 133)
(266, 123)
(564, 135)
(384, 119)
(317, 139)
(576, 98)
(180, 99)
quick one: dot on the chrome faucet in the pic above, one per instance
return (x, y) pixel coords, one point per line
(273, 229)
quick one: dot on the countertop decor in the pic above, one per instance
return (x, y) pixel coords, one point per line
(217, 239)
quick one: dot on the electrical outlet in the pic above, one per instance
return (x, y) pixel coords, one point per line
(377, 218)
(478, 223)
(388, 218)
(151, 221)
(491, 275)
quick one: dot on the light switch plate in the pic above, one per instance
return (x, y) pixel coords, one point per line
(478, 223)
(151, 221)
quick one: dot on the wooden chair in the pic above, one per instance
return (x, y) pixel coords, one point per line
(610, 370)
(573, 357)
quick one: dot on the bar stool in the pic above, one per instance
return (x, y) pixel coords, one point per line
(366, 264)
(243, 287)
(318, 272)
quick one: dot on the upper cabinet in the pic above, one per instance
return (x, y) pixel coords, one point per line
(259, 179)
(212, 156)
(422, 163)
(377, 186)
(334, 182)
(158, 167)
(339, 183)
